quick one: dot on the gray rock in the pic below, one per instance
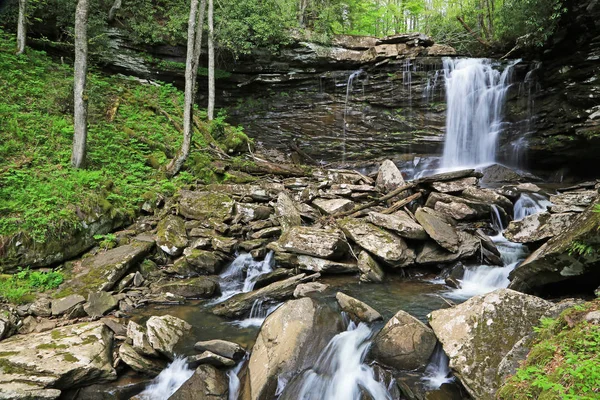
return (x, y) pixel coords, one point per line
(210, 358)
(26, 391)
(455, 186)
(323, 243)
(171, 235)
(540, 226)
(287, 212)
(138, 279)
(432, 253)
(137, 362)
(100, 303)
(514, 358)
(458, 211)
(267, 233)
(448, 176)
(205, 206)
(370, 271)
(314, 264)
(576, 201)
(488, 196)
(207, 383)
(404, 343)
(139, 339)
(383, 244)
(389, 177)
(252, 212)
(278, 274)
(202, 287)
(497, 173)
(126, 281)
(306, 289)
(41, 307)
(261, 191)
(333, 206)
(356, 309)
(477, 209)
(198, 262)
(224, 244)
(9, 323)
(115, 326)
(64, 305)
(165, 332)
(438, 229)
(477, 334)
(223, 348)
(400, 223)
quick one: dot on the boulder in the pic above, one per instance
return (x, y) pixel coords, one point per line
(383, 244)
(207, 383)
(202, 287)
(457, 211)
(205, 206)
(171, 235)
(477, 209)
(287, 212)
(487, 196)
(314, 264)
(333, 206)
(323, 243)
(356, 309)
(290, 340)
(224, 244)
(66, 304)
(556, 261)
(432, 253)
(42, 307)
(210, 358)
(222, 347)
(247, 212)
(389, 177)
(576, 201)
(99, 303)
(201, 262)
(165, 332)
(455, 186)
(400, 223)
(261, 191)
(137, 362)
(67, 357)
(370, 271)
(540, 226)
(278, 274)
(477, 334)
(448, 176)
(266, 233)
(404, 343)
(438, 229)
(139, 339)
(9, 323)
(306, 289)
(497, 173)
(26, 391)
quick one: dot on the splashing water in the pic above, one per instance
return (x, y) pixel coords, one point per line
(475, 94)
(241, 275)
(438, 370)
(234, 381)
(529, 204)
(339, 372)
(168, 381)
(258, 313)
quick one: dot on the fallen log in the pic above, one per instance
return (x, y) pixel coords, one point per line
(376, 201)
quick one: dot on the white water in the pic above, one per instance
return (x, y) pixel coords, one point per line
(340, 372)
(475, 95)
(241, 275)
(234, 381)
(258, 313)
(349, 84)
(168, 381)
(529, 204)
(438, 370)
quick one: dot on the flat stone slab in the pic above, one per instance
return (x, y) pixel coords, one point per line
(400, 223)
(358, 310)
(538, 227)
(437, 228)
(333, 206)
(323, 243)
(308, 263)
(205, 206)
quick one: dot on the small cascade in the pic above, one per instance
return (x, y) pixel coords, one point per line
(258, 313)
(234, 381)
(340, 373)
(429, 92)
(241, 275)
(168, 381)
(529, 204)
(475, 94)
(349, 84)
(438, 370)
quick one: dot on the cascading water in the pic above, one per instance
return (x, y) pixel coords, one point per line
(438, 370)
(168, 381)
(475, 94)
(529, 204)
(340, 373)
(241, 275)
(258, 313)
(349, 84)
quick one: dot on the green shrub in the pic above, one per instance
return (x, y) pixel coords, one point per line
(20, 287)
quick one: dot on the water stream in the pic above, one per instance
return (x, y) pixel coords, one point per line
(349, 84)
(168, 381)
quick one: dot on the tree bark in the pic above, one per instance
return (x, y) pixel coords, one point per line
(113, 10)
(211, 62)
(79, 96)
(194, 46)
(21, 27)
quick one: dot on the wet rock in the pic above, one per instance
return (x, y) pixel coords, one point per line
(115, 326)
(572, 201)
(432, 253)
(290, 339)
(306, 289)
(100, 303)
(241, 303)
(164, 332)
(267, 233)
(334, 206)
(323, 243)
(358, 310)
(139, 339)
(452, 282)
(222, 347)
(497, 173)
(73, 356)
(41, 307)
(379, 242)
(171, 235)
(477, 334)
(455, 186)
(448, 176)
(457, 211)
(202, 287)
(404, 343)
(205, 206)
(555, 262)
(287, 212)
(198, 262)
(370, 271)
(64, 305)
(207, 383)
(275, 276)
(248, 212)
(314, 264)
(488, 196)
(538, 227)
(389, 177)
(438, 229)
(399, 222)
(210, 358)
(137, 362)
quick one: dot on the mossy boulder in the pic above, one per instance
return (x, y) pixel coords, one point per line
(171, 235)
(204, 206)
(198, 288)
(325, 243)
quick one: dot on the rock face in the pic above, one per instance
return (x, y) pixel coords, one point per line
(538, 227)
(207, 383)
(357, 310)
(556, 262)
(404, 343)
(289, 341)
(72, 356)
(477, 334)
(322, 243)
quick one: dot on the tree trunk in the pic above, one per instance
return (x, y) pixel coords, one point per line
(80, 99)
(211, 63)
(113, 10)
(194, 46)
(21, 27)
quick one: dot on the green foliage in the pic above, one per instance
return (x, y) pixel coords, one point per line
(564, 362)
(19, 288)
(107, 241)
(581, 249)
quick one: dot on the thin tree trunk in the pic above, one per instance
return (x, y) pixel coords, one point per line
(21, 27)
(211, 62)
(80, 99)
(113, 10)
(194, 45)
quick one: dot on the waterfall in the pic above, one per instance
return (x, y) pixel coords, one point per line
(258, 313)
(475, 94)
(438, 370)
(234, 381)
(529, 204)
(241, 275)
(340, 373)
(168, 381)
(348, 92)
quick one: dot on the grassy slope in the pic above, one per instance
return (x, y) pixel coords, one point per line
(39, 192)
